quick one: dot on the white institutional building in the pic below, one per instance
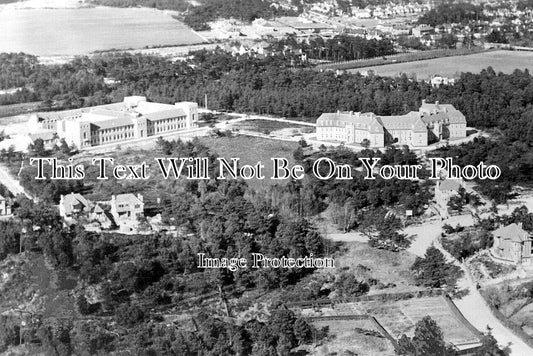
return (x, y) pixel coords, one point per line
(113, 123)
(432, 122)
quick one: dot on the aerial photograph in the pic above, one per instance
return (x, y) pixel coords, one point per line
(266, 177)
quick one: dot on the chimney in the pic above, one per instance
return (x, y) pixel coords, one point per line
(423, 101)
(140, 197)
(437, 103)
(113, 198)
(520, 225)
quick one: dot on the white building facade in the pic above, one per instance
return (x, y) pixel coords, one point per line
(114, 123)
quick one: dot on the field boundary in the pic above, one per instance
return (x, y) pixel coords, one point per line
(368, 317)
(400, 58)
(368, 298)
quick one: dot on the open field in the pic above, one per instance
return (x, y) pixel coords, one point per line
(47, 32)
(501, 61)
(250, 150)
(385, 266)
(267, 126)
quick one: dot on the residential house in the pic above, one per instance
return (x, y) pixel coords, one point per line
(122, 210)
(513, 244)
(422, 30)
(74, 205)
(444, 191)
(127, 206)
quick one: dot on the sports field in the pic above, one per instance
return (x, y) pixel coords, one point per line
(500, 60)
(400, 317)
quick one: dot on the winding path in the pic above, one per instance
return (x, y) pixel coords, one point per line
(473, 307)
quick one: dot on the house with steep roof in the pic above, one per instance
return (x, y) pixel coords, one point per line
(73, 205)
(126, 210)
(122, 210)
(126, 206)
(432, 122)
(513, 244)
(444, 191)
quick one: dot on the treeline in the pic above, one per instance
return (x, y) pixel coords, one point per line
(177, 5)
(339, 48)
(281, 332)
(460, 12)
(198, 15)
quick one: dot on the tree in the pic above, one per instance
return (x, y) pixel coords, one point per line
(489, 347)
(433, 271)
(38, 147)
(427, 340)
(347, 285)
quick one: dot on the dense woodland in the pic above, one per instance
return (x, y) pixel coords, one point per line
(338, 48)
(453, 12)
(140, 278)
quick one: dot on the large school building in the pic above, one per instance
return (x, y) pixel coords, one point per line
(113, 123)
(432, 122)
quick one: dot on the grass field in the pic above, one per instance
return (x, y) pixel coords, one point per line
(267, 126)
(500, 61)
(84, 30)
(251, 150)
(385, 266)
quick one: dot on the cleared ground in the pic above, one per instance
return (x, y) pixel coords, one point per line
(353, 336)
(251, 150)
(48, 32)
(500, 61)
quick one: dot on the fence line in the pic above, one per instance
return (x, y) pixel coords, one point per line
(399, 58)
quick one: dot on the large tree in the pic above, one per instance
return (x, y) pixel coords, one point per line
(433, 271)
(427, 340)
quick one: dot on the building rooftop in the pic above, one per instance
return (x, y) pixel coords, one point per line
(123, 202)
(513, 232)
(450, 185)
(414, 120)
(74, 201)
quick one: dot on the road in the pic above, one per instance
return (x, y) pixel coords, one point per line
(11, 183)
(472, 306)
